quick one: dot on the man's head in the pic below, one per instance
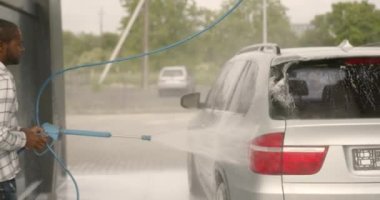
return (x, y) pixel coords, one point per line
(10, 43)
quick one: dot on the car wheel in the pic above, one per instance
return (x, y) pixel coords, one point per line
(195, 188)
(221, 192)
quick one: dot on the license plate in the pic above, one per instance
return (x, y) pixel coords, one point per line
(366, 159)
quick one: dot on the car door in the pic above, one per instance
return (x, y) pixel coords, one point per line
(221, 108)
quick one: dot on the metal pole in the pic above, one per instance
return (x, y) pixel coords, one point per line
(101, 14)
(265, 22)
(122, 40)
(145, 74)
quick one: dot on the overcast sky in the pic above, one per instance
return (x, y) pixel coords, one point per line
(84, 15)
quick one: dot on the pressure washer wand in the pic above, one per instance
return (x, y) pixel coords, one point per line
(143, 137)
(54, 131)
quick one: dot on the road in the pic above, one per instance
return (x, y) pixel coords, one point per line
(126, 169)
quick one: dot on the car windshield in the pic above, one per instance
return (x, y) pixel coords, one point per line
(172, 73)
(338, 88)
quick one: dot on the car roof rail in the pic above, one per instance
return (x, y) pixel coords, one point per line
(265, 47)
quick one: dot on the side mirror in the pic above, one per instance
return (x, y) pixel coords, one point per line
(191, 101)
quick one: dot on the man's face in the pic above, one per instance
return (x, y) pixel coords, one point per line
(13, 49)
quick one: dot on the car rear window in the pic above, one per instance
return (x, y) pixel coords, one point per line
(335, 88)
(172, 73)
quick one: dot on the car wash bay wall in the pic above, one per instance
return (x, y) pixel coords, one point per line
(40, 23)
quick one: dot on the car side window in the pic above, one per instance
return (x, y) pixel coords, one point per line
(221, 94)
(245, 89)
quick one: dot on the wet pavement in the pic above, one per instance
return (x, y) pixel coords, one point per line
(143, 185)
(126, 169)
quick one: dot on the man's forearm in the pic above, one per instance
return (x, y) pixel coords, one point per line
(11, 140)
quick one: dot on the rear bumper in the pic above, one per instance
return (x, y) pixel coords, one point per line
(328, 191)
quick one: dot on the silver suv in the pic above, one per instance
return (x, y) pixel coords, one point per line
(290, 124)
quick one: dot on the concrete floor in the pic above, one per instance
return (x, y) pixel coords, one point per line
(143, 185)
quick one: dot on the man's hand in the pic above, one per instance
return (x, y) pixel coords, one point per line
(34, 138)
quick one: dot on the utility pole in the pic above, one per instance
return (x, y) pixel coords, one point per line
(123, 36)
(101, 43)
(265, 22)
(101, 15)
(145, 74)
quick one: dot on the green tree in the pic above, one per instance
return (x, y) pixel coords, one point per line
(172, 20)
(169, 21)
(359, 22)
(244, 27)
(78, 47)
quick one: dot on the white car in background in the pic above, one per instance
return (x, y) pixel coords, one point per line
(175, 80)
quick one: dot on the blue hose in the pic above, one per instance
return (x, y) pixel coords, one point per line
(153, 52)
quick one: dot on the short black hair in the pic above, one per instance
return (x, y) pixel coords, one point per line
(7, 30)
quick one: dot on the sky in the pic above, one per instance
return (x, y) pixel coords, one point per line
(84, 15)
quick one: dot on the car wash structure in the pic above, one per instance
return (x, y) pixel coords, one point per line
(40, 23)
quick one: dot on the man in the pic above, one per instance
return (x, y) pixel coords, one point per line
(12, 137)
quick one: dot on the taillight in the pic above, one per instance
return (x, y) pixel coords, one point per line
(268, 155)
(265, 154)
(362, 61)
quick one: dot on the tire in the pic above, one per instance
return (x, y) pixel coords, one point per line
(195, 188)
(222, 192)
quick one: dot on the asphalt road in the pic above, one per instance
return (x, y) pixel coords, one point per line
(126, 168)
